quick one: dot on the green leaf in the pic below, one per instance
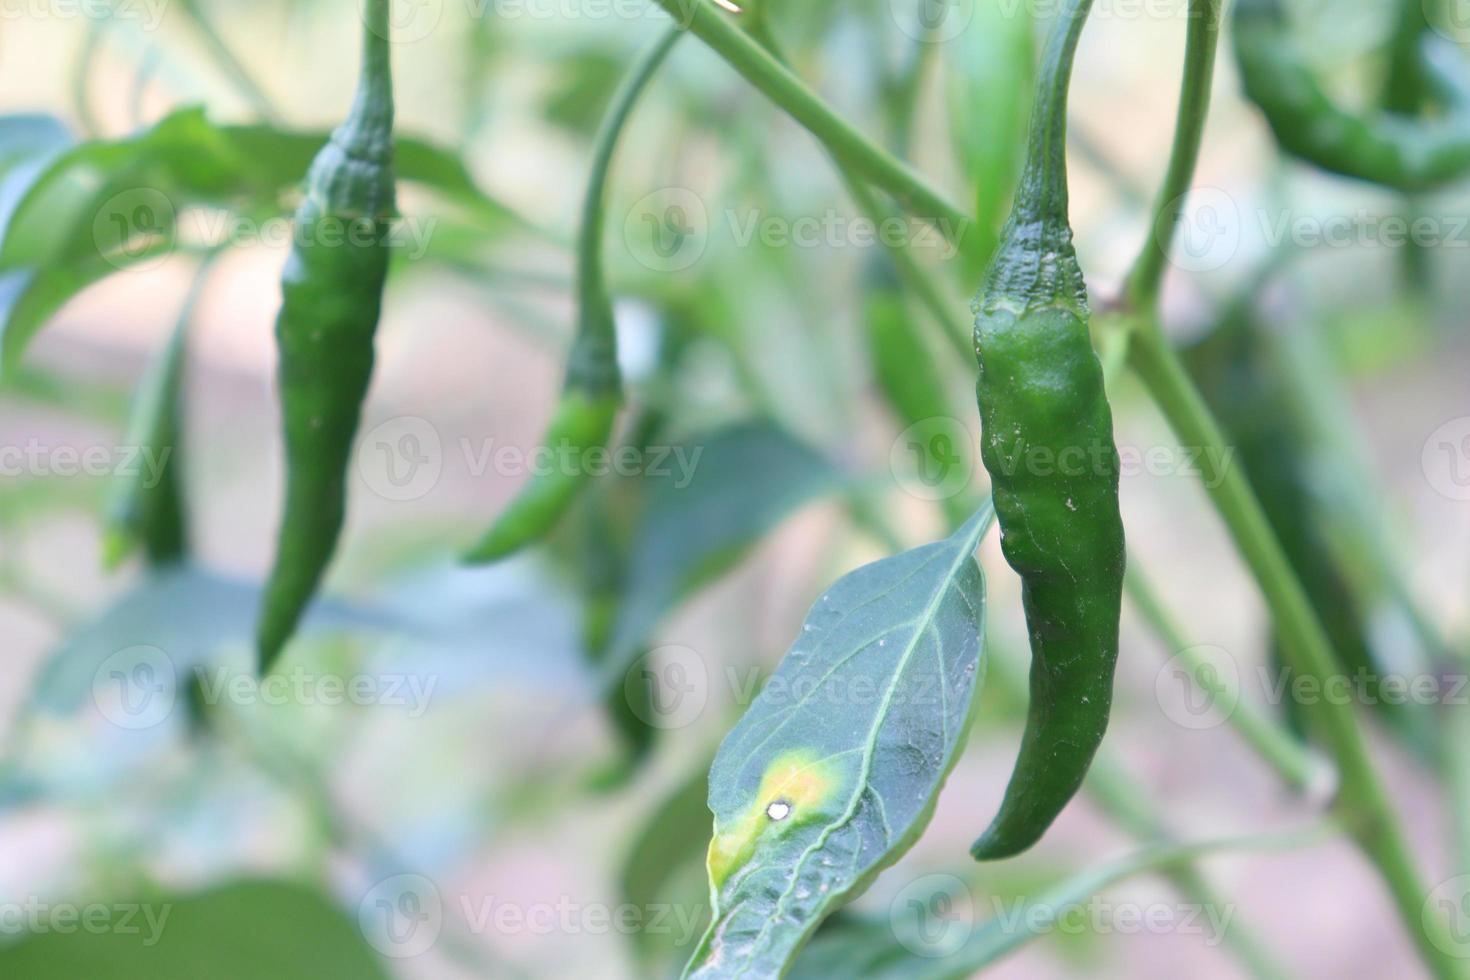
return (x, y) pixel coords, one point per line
(27, 144)
(189, 616)
(288, 153)
(87, 201)
(662, 857)
(105, 206)
(990, 68)
(741, 482)
(834, 771)
(248, 930)
(583, 79)
(30, 297)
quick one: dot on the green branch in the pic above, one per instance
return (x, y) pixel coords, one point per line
(230, 63)
(1362, 798)
(1146, 276)
(779, 84)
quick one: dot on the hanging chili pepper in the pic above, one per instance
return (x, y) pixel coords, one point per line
(1407, 153)
(332, 293)
(147, 508)
(1048, 443)
(593, 391)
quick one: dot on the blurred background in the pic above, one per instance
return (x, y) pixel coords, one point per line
(435, 787)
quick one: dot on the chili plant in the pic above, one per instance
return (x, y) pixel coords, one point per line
(723, 367)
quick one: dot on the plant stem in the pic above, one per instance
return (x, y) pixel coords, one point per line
(1363, 800)
(920, 283)
(81, 78)
(1362, 797)
(230, 63)
(778, 83)
(1454, 724)
(1292, 760)
(924, 287)
(1142, 286)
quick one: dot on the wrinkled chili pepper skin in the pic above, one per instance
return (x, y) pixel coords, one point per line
(1047, 442)
(332, 291)
(582, 422)
(1409, 154)
(1041, 399)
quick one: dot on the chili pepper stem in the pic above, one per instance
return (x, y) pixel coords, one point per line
(1362, 799)
(1201, 43)
(229, 62)
(926, 289)
(779, 84)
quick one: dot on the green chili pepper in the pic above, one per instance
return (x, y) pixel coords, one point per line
(1407, 153)
(1405, 87)
(332, 291)
(593, 391)
(147, 507)
(1048, 444)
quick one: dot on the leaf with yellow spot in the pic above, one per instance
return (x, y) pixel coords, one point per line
(833, 772)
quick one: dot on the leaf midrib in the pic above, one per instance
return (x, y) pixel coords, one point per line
(923, 623)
